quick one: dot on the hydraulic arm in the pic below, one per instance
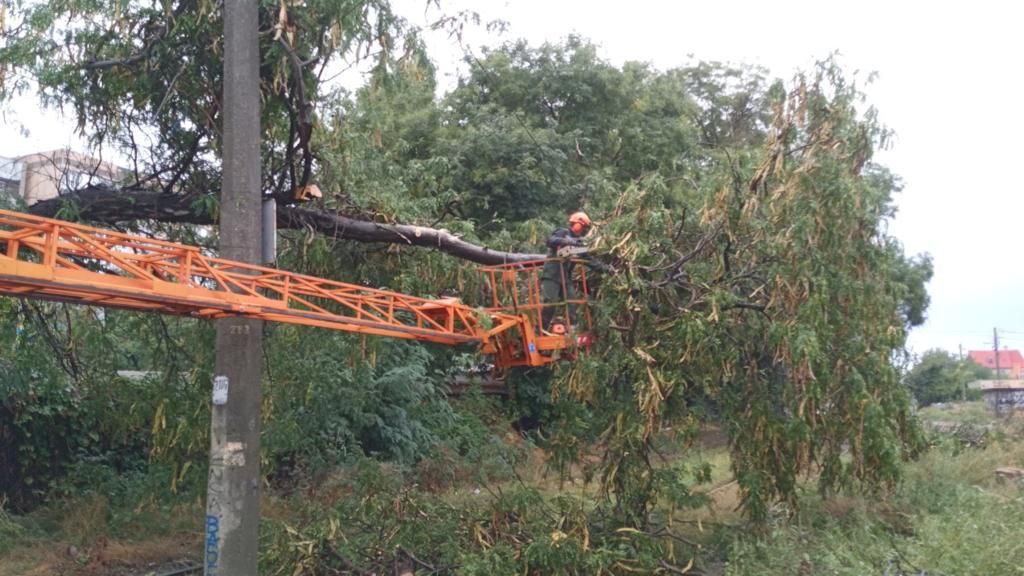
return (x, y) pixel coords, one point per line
(56, 260)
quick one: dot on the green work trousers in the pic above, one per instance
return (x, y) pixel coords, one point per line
(556, 287)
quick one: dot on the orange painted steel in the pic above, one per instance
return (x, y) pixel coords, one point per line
(515, 289)
(51, 259)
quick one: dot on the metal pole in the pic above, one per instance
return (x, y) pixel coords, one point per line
(269, 233)
(995, 344)
(233, 490)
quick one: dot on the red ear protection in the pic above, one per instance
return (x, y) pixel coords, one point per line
(576, 227)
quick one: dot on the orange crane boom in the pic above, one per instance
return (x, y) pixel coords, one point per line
(52, 259)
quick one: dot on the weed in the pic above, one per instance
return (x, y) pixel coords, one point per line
(975, 413)
(949, 516)
(11, 531)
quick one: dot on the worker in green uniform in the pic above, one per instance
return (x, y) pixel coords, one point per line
(556, 278)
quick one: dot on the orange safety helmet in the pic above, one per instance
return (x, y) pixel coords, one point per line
(579, 222)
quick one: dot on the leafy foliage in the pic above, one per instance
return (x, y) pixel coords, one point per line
(129, 69)
(755, 282)
(56, 398)
(920, 529)
(375, 523)
(754, 273)
(330, 406)
(940, 377)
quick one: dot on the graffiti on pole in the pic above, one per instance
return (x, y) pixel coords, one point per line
(212, 544)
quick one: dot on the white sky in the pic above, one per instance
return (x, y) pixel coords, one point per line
(949, 84)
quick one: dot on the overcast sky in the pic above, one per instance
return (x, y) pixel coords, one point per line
(949, 83)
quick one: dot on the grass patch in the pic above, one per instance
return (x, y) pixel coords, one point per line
(12, 532)
(949, 516)
(973, 413)
(88, 535)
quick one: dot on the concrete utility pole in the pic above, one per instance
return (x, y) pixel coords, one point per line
(233, 491)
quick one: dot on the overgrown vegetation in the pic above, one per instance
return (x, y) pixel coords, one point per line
(972, 413)
(755, 287)
(940, 377)
(951, 515)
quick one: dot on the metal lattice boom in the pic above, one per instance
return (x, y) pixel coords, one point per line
(56, 260)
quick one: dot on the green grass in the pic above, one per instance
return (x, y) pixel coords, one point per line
(88, 535)
(974, 413)
(950, 516)
(12, 532)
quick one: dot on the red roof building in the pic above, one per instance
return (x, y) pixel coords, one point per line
(1011, 363)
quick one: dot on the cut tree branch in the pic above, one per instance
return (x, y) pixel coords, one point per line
(113, 62)
(109, 206)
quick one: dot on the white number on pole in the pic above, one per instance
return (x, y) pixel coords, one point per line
(220, 390)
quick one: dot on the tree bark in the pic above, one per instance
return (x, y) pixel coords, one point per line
(109, 206)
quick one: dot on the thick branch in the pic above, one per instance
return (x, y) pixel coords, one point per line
(102, 205)
(134, 58)
(114, 62)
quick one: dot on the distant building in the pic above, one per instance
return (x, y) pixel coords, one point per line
(46, 175)
(1011, 363)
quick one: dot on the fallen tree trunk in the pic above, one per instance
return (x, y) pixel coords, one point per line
(109, 206)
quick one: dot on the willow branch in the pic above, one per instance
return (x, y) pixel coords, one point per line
(111, 206)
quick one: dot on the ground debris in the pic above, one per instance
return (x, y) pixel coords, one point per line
(175, 568)
(894, 568)
(967, 434)
(1009, 473)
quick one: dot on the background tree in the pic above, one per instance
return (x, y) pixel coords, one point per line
(143, 81)
(755, 273)
(940, 377)
(756, 283)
